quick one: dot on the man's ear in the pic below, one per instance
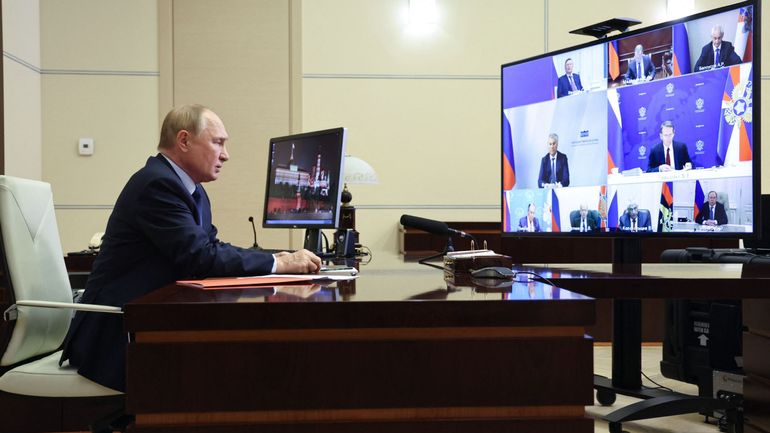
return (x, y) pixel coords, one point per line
(183, 140)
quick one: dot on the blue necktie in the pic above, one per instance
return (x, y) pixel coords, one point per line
(716, 57)
(197, 197)
(712, 213)
(553, 170)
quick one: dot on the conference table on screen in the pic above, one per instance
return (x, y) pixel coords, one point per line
(393, 350)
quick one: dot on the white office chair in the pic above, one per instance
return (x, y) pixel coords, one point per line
(35, 393)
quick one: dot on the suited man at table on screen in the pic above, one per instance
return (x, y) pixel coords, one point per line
(668, 154)
(712, 212)
(554, 167)
(161, 231)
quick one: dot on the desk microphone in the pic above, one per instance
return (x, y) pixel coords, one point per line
(438, 228)
(254, 229)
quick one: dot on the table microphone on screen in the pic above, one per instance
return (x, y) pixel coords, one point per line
(254, 229)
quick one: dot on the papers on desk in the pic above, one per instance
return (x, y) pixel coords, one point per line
(263, 280)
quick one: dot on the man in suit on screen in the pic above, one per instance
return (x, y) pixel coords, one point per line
(554, 168)
(582, 221)
(717, 53)
(668, 154)
(569, 83)
(640, 67)
(529, 223)
(634, 220)
(712, 212)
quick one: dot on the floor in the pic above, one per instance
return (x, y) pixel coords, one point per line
(651, 356)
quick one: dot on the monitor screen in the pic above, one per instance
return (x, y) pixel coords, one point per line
(304, 180)
(648, 132)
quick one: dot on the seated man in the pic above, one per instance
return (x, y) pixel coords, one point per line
(529, 223)
(717, 53)
(554, 167)
(712, 212)
(668, 154)
(640, 67)
(634, 220)
(583, 220)
(568, 83)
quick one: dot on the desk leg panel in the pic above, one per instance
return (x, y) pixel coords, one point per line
(296, 375)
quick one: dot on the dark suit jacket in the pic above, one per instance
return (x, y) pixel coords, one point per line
(562, 170)
(563, 88)
(643, 222)
(727, 56)
(574, 221)
(152, 239)
(523, 224)
(648, 69)
(658, 156)
(719, 213)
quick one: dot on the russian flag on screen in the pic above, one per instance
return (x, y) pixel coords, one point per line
(735, 138)
(681, 48)
(614, 59)
(614, 133)
(506, 214)
(602, 206)
(744, 34)
(509, 166)
(555, 215)
(699, 199)
(612, 214)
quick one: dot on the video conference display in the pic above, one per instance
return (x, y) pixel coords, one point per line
(649, 132)
(303, 183)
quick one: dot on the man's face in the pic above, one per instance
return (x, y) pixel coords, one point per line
(712, 198)
(583, 211)
(206, 152)
(716, 38)
(633, 212)
(638, 51)
(553, 146)
(568, 67)
(667, 135)
(530, 213)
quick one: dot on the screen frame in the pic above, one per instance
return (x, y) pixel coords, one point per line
(756, 134)
(341, 132)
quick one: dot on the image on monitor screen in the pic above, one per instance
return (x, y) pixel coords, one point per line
(304, 180)
(648, 132)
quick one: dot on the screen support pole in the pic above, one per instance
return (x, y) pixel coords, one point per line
(627, 318)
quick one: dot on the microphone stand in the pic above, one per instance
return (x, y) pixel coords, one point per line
(449, 248)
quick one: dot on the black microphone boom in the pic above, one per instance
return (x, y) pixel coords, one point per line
(439, 228)
(254, 229)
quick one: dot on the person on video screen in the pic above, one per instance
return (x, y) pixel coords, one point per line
(554, 168)
(712, 212)
(717, 53)
(640, 67)
(668, 154)
(569, 83)
(529, 223)
(582, 221)
(634, 220)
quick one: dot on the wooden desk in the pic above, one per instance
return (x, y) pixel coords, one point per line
(393, 352)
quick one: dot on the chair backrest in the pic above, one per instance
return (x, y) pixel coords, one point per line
(645, 212)
(34, 269)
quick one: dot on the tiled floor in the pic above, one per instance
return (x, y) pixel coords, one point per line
(651, 356)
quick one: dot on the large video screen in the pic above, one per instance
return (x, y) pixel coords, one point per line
(652, 131)
(304, 180)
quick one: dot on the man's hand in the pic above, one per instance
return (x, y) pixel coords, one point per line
(299, 262)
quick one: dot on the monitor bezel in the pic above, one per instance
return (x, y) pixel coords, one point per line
(341, 132)
(756, 134)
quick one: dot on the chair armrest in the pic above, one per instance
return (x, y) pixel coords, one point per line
(11, 314)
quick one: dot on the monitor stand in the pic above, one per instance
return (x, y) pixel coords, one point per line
(627, 360)
(313, 241)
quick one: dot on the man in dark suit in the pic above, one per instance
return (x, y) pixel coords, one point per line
(160, 231)
(529, 223)
(634, 221)
(712, 212)
(582, 221)
(640, 67)
(668, 154)
(718, 49)
(569, 82)
(554, 168)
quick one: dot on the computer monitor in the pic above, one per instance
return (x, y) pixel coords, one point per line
(304, 183)
(638, 131)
